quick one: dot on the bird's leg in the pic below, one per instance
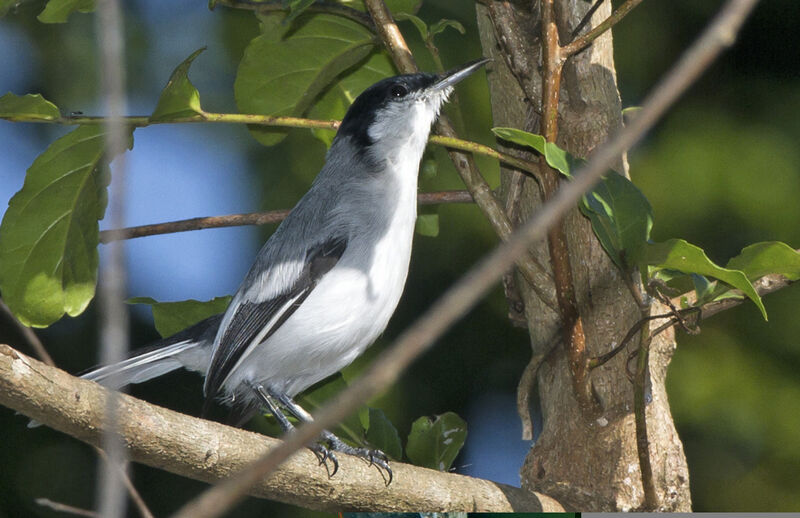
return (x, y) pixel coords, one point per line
(376, 457)
(322, 453)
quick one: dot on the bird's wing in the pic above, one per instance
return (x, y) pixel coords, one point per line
(254, 322)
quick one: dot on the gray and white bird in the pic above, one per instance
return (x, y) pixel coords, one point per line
(326, 283)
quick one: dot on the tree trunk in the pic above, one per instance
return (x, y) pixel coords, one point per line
(588, 464)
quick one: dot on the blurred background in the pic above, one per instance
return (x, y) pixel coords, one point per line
(721, 170)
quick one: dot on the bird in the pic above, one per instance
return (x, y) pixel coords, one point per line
(325, 284)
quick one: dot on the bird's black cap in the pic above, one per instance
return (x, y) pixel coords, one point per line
(361, 113)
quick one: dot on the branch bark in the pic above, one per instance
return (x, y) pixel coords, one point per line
(209, 451)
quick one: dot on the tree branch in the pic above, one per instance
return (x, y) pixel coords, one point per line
(209, 451)
(254, 218)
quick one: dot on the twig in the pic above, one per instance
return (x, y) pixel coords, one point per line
(122, 473)
(317, 7)
(64, 508)
(111, 287)
(28, 334)
(466, 292)
(640, 420)
(254, 218)
(536, 275)
(571, 320)
(587, 17)
(524, 389)
(580, 43)
(143, 121)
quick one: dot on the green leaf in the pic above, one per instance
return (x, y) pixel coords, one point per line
(333, 103)
(435, 443)
(57, 11)
(621, 218)
(351, 428)
(7, 5)
(762, 259)
(677, 254)
(427, 225)
(443, 24)
(421, 26)
(403, 6)
(49, 234)
(703, 288)
(28, 107)
(556, 157)
(383, 435)
(172, 317)
(620, 214)
(296, 8)
(286, 68)
(179, 98)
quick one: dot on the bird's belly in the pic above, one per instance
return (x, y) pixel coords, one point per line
(341, 317)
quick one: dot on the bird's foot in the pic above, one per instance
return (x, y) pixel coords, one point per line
(323, 456)
(374, 457)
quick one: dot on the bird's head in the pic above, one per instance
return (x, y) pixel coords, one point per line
(400, 110)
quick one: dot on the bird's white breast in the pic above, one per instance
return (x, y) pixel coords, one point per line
(352, 304)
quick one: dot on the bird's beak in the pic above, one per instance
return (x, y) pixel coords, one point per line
(455, 75)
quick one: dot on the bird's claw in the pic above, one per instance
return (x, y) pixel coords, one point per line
(323, 455)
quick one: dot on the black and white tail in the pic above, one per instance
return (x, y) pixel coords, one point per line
(190, 349)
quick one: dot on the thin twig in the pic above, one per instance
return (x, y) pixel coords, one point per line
(111, 287)
(465, 293)
(28, 334)
(587, 17)
(122, 473)
(580, 43)
(254, 218)
(143, 121)
(640, 418)
(64, 508)
(525, 387)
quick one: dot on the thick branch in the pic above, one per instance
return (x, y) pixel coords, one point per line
(209, 451)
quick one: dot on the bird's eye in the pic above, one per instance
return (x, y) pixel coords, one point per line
(399, 91)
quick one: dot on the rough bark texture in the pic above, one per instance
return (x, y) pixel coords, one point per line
(209, 451)
(587, 464)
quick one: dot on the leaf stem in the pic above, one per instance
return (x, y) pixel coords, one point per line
(143, 121)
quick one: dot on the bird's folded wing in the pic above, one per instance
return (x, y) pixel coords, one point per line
(253, 323)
